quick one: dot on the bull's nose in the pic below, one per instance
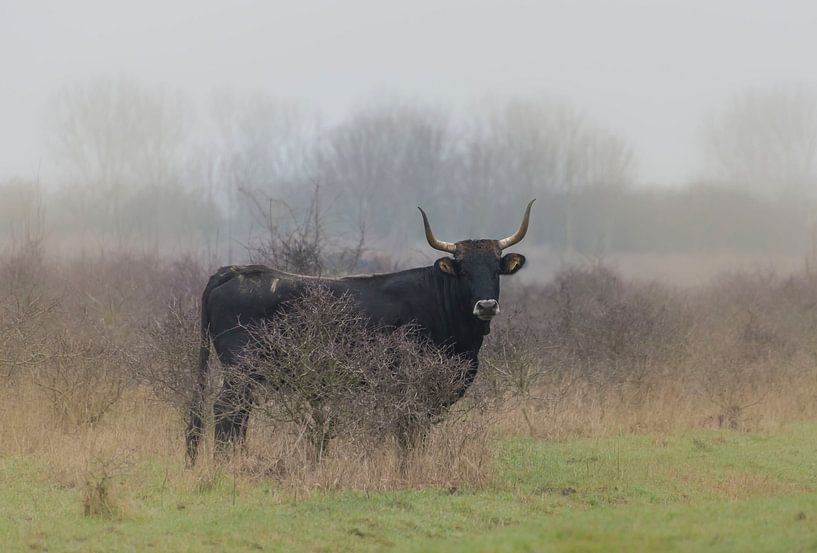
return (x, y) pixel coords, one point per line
(486, 309)
(487, 305)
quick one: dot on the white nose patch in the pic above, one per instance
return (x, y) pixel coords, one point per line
(486, 309)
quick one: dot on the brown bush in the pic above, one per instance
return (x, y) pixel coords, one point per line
(25, 304)
(98, 489)
(165, 358)
(587, 330)
(589, 349)
(83, 380)
(324, 369)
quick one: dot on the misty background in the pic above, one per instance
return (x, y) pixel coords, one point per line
(659, 134)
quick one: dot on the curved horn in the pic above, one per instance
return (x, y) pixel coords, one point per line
(519, 234)
(449, 247)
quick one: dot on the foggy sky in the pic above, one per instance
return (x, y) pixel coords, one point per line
(649, 70)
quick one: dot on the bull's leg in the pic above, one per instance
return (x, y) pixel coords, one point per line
(231, 412)
(321, 432)
(193, 433)
(412, 431)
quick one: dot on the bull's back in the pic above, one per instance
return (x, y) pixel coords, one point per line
(246, 295)
(250, 294)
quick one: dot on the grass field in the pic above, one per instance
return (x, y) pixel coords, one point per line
(692, 491)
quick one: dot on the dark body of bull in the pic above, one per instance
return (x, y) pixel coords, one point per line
(451, 302)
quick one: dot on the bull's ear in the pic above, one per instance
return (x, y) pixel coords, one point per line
(447, 265)
(510, 263)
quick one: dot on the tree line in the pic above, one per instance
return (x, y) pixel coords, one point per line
(135, 163)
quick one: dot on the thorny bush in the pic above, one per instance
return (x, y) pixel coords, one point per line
(325, 369)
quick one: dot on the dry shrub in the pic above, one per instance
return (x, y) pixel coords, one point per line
(514, 373)
(167, 354)
(98, 490)
(78, 366)
(612, 331)
(70, 330)
(25, 305)
(586, 341)
(23, 343)
(594, 354)
(323, 368)
(753, 344)
(60, 350)
(82, 381)
(147, 310)
(589, 325)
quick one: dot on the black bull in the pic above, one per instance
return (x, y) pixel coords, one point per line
(451, 302)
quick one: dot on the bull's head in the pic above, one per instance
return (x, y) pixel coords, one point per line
(478, 264)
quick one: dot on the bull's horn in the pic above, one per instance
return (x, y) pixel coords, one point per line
(449, 247)
(519, 234)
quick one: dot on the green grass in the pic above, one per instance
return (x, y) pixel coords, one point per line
(698, 491)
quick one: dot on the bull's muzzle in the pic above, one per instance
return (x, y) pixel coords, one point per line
(486, 309)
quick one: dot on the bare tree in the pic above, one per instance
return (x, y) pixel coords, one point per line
(384, 157)
(122, 149)
(263, 147)
(264, 141)
(540, 148)
(299, 240)
(114, 134)
(766, 141)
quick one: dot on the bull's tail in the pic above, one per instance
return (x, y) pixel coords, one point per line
(195, 424)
